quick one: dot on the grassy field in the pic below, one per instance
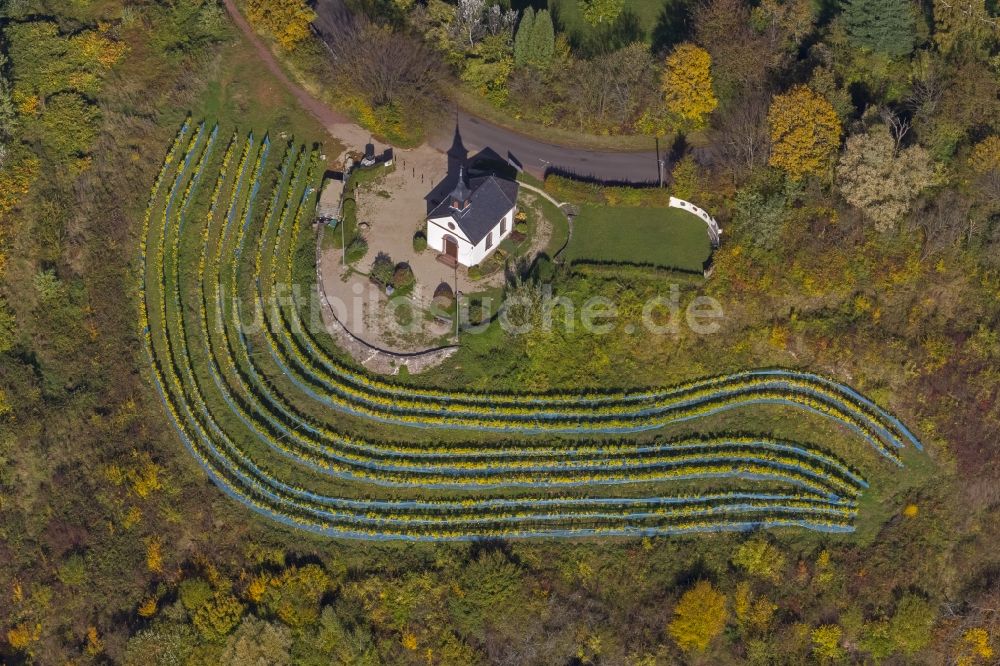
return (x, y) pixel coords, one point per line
(653, 21)
(665, 237)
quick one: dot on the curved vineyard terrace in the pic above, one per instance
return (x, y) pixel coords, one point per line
(261, 407)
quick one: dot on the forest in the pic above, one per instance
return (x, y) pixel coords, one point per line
(851, 151)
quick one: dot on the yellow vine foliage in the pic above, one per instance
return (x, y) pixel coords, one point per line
(805, 132)
(286, 20)
(699, 617)
(687, 84)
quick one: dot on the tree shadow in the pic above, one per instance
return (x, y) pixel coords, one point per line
(457, 155)
(673, 25)
(625, 30)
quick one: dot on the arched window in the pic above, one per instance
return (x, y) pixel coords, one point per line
(489, 240)
(503, 225)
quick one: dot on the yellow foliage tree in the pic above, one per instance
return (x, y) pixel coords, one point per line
(753, 614)
(286, 20)
(757, 557)
(687, 85)
(295, 595)
(985, 155)
(219, 616)
(826, 642)
(699, 616)
(805, 132)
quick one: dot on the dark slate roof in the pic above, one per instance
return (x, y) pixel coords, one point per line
(490, 200)
(461, 191)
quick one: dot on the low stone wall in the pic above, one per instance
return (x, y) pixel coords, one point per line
(371, 357)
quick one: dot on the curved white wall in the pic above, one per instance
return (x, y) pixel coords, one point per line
(714, 230)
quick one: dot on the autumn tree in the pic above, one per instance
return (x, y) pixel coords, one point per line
(742, 57)
(741, 133)
(985, 163)
(8, 116)
(964, 24)
(610, 90)
(985, 155)
(256, 641)
(218, 616)
(791, 20)
(885, 26)
(826, 643)
(879, 180)
(294, 596)
(805, 132)
(753, 613)
(286, 20)
(911, 625)
(369, 65)
(687, 85)
(760, 558)
(699, 616)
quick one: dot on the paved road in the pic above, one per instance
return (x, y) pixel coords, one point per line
(534, 156)
(537, 156)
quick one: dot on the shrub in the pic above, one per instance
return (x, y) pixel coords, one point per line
(419, 241)
(382, 269)
(403, 277)
(521, 227)
(357, 249)
(579, 192)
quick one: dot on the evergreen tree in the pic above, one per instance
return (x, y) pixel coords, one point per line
(886, 26)
(523, 37)
(541, 45)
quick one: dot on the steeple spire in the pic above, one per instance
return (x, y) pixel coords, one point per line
(460, 195)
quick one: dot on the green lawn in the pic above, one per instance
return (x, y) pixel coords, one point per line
(666, 237)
